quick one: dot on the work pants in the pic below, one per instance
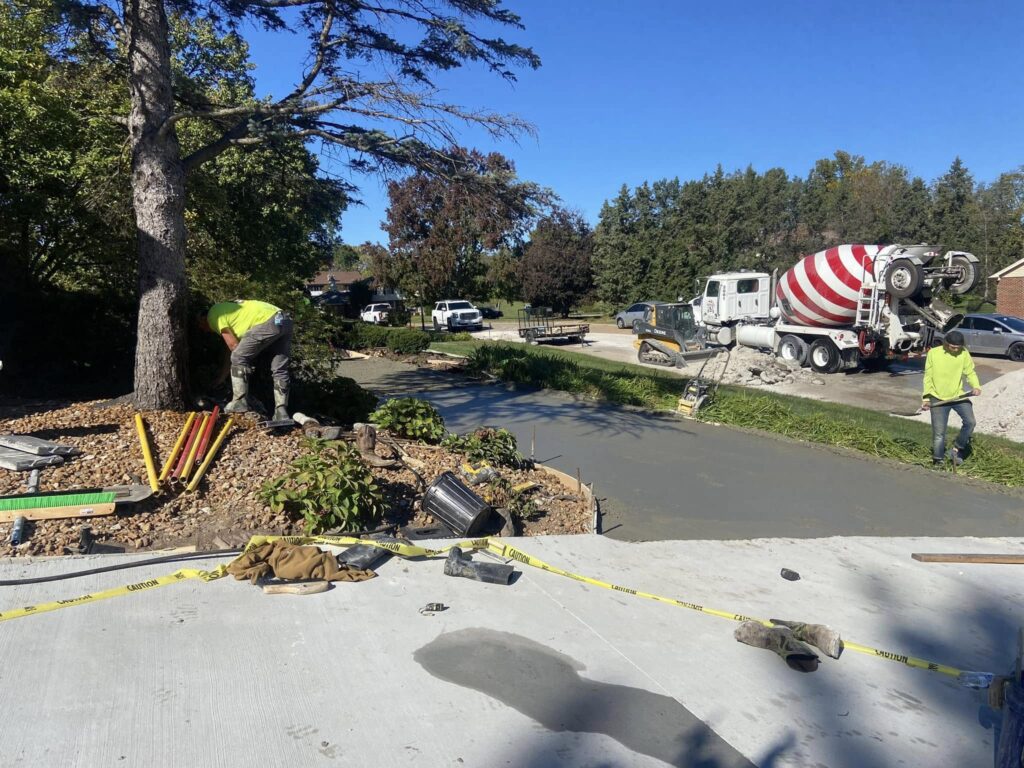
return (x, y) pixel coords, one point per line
(940, 419)
(273, 336)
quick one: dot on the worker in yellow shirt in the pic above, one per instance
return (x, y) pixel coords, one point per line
(250, 328)
(945, 369)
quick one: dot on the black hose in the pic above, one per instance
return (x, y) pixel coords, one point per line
(180, 557)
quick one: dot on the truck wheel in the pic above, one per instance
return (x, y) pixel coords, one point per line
(437, 325)
(1016, 352)
(966, 278)
(903, 279)
(793, 349)
(824, 356)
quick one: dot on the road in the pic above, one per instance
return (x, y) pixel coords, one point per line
(896, 389)
(664, 478)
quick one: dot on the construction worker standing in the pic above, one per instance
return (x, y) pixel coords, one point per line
(945, 369)
(250, 328)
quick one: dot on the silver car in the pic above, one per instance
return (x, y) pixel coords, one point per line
(634, 313)
(994, 335)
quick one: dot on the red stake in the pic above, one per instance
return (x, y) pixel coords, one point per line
(192, 437)
(206, 434)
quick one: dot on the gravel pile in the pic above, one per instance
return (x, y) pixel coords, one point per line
(999, 410)
(753, 368)
(225, 509)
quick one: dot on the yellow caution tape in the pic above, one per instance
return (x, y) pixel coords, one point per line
(141, 586)
(490, 544)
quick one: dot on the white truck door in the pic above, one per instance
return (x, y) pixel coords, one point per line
(709, 306)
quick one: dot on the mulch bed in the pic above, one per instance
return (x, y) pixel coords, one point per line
(225, 509)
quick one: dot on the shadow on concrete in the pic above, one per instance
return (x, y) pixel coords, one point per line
(989, 627)
(466, 404)
(547, 687)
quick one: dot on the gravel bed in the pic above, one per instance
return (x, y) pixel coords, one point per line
(225, 509)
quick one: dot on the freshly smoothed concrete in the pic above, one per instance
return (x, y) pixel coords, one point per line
(662, 477)
(546, 672)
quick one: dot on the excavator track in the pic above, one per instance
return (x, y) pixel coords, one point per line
(652, 356)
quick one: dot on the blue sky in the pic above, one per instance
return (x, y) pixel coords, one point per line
(639, 90)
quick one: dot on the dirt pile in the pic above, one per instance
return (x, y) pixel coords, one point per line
(999, 410)
(753, 368)
(226, 508)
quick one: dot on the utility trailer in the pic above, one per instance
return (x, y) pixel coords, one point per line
(536, 324)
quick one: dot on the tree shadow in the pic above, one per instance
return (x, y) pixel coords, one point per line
(466, 404)
(546, 686)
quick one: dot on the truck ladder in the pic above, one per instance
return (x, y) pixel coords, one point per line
(869, 304)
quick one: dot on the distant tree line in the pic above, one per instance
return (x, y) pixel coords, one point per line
(656, 241)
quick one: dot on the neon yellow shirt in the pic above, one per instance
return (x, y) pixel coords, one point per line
(239, 318)
(944, 374)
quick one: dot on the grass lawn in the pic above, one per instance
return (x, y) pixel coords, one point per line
(877, 434)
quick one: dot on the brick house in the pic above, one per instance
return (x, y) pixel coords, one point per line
(1010, 289)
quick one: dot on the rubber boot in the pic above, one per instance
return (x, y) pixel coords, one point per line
(825, 639)
(281, 403)
(779, 640)
(460, 565)
(239, 390)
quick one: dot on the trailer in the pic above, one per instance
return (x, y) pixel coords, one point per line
(843, 307)
(536, 324)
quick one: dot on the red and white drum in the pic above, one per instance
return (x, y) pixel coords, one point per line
(823, 289)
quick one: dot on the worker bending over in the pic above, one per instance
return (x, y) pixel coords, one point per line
(945, 369)
(250, 328)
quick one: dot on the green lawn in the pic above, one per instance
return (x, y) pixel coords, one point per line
(873, 433)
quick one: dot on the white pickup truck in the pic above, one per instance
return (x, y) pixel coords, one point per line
(456, 315)
(375, 313)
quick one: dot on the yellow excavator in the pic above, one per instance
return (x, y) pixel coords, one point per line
(669, 336)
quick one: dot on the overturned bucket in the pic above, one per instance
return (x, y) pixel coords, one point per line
(450, 501)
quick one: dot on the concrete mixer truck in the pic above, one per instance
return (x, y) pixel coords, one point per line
(843, 307)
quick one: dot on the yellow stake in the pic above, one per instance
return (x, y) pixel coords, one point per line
(177, 447)
(209, 456)
(193, 452)
(150, 469)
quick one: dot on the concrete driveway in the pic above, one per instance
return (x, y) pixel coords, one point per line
(665, 478)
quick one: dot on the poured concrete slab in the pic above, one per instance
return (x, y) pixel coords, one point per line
(546, 672)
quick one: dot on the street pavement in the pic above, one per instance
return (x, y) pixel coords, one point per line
(661, 477)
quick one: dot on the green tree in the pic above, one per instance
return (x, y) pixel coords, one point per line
(367, 90)
(556, 269)
(954, 213)
(440, 229)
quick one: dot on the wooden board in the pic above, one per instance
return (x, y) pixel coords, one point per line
(926, 557)
(54, 513)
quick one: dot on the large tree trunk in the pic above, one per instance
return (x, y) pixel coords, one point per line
(158, 193)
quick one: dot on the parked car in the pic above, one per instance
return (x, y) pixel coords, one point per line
(490, 313)
(634, 313)
(375, 313)
(994, 335)
(456, 315)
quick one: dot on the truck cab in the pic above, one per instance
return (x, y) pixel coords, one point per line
(730, 297)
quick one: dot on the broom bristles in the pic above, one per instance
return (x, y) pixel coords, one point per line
(14, 503)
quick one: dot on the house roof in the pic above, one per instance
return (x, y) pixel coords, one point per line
(1006, 270)
(341, 277)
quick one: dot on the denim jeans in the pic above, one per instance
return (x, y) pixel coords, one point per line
(940, 418)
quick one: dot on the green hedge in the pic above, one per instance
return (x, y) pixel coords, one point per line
(401, 341)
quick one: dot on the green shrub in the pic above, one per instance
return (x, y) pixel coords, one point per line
(411, 418)
(401, 341)
(339, 398)
(330, 486)
(497, 447)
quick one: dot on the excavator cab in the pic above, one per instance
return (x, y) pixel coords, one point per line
(668, 335)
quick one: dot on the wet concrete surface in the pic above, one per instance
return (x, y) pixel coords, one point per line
(547, 687)
(660, 477)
